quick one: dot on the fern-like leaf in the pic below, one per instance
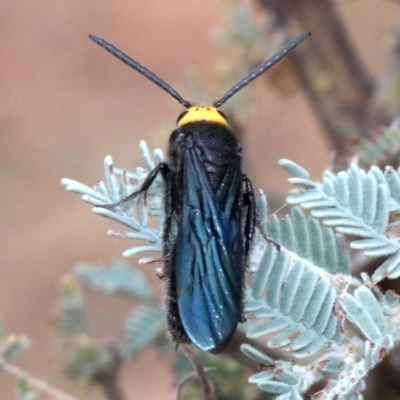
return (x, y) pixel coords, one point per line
(143, 326)
(298, 300)
(281, 378)
(364, 311)
(12, 347)
(305, 237)
(25, 390)
(300, 291)
(382, 149)
(355, 203)
(117, 279)
(109, 200)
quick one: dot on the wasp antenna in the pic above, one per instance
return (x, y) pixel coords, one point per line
(266, 65)
(139, 68)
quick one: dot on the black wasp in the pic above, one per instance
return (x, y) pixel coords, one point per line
(210, 215)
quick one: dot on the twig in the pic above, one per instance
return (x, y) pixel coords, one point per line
(205, 383)
(191, 376)
(385, 103)
(106, 376)
(329, 68)
(41, 385)
(111, 390)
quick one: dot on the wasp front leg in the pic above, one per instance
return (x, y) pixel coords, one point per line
(162, 168)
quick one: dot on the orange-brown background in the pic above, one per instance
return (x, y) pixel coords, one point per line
(65, 104)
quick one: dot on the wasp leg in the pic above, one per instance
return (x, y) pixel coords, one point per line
(168, 215)
(174, 322)
(269, 240)
(251, 214)
(161, 167)
(250, 224)
(251, 218)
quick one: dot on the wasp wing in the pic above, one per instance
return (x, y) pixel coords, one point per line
(208, 253)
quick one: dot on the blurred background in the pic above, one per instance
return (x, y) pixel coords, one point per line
(66, 104)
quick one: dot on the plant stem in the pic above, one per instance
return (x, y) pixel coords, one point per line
(205, 383)
(329, 68)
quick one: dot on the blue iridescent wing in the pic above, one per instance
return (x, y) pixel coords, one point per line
(208, 254)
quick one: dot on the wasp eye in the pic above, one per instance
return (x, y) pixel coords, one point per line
(223, 115)
(181, 115)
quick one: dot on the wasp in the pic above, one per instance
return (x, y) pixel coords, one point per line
(210, 214)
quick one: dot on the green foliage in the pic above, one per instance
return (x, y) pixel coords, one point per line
(229, 378)
(25, 390)
(356, 203)
(298, 303)
(11, 346)
(118, 279)
(363, 310)
(143, 327)
(75, 347)
(300, 294)
(71, 308)
(85, 359)
(27, 387)
(133, 214)
(382, 149)
(146, 324)
(305, 237)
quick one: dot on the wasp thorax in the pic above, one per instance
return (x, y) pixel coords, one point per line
(202, 113)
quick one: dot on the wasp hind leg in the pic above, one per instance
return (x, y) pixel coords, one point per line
(250, 221)
(249, 201)
(174, 323)
(251, 218)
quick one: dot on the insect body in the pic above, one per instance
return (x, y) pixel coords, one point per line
(210, 215)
